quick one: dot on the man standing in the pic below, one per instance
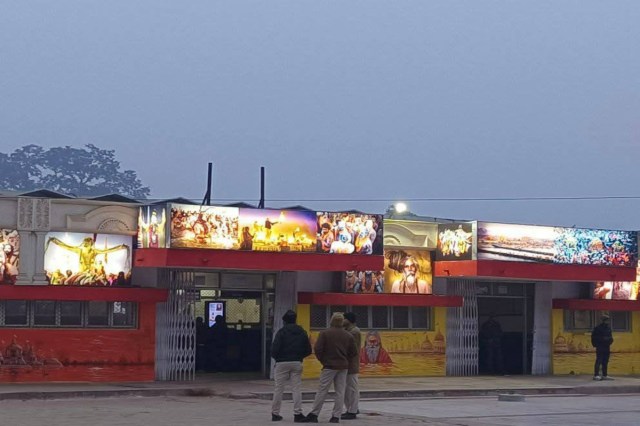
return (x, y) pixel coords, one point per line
(290, 346)
(334, 349)
(601, 339)
(352, 392)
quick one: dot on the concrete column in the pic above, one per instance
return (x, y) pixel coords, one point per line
(39, 276)
(27, 258)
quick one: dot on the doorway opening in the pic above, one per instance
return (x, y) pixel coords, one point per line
(505, 327)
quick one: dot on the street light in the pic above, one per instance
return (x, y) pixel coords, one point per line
(400, 207)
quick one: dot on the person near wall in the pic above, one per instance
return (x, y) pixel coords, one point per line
(334, 348)
(218, 342)
(352, 392)
(290, 346)
(491, 344)
(601, 339)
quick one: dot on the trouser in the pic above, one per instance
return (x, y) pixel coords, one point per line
(287, 372)
(339, 380)
(352, 394)
(602, 359)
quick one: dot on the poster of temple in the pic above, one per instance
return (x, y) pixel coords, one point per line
(87, 259)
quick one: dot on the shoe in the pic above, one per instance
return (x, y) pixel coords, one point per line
(597, 378)
(334, 420)
(348, 416)
(299, 418)
(607, 378)
(275, 418)
(311, 418)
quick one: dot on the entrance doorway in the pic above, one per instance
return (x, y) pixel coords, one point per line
(505, 327)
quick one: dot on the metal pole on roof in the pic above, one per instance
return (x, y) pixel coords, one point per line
(207, 195)
(261, 204)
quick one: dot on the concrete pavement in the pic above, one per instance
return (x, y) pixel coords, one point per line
(380, 387)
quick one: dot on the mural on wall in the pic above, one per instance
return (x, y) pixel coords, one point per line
(524, 243)
(393, 353)
(9, 255)
(204, 227)
(408, 271)
(573, 353)
(94, 355)
(277, 230)
(87, 259)
(152, 222)
(455, 241)
(349, 233)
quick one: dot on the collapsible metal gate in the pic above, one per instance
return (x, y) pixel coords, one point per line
(462, 330)
(176, 330)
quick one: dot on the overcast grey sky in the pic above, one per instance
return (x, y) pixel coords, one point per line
(342, 99)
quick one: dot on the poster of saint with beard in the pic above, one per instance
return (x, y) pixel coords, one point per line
(408, 271)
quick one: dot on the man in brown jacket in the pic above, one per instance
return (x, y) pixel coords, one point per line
(352, 392)
(334, 349)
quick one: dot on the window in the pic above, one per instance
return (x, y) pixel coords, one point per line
(15, 313)
(587, 320)
(50, 313)
(377, 317)
(44, 313)
(98, 314)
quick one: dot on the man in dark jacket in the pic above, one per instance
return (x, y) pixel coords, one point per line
(290, 346)
(335, 348)
(352, 392)
(601, 339)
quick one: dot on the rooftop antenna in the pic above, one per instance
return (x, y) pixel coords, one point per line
(261, 204)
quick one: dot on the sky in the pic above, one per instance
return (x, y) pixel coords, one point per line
(368, 102)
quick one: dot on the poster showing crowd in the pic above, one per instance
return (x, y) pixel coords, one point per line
(556, 245)
(209, 227)
(9, 255)
(408, 271)
(87, 259)
(616, 290)
(455, 241)
(152, 222)
(277, 230)
(363, 282)
(349, 233)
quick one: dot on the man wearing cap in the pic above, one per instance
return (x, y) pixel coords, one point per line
(290, 346)
(601, 339)
(334, 349)
(352, 392)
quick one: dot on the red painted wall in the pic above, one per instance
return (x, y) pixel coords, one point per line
(83, 355)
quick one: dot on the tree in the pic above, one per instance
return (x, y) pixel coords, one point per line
(88, 172)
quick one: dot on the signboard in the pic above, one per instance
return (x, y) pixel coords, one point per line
(408, 271)
(556, 245)
(87, 259)
(231, 228)
(349, 233)
(364, 282)
(9, 255)
(455, 241)
(152, 222)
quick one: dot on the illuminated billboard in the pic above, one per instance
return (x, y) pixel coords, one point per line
(556, 245)
(349, 233)
(87, 259)
(277, 230)
(204, 227)
(455, 241)
(408, 271)
(152, 222)
(364, 282)
(9, 255)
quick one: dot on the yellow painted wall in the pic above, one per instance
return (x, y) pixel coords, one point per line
(573, 353)
(413, 353)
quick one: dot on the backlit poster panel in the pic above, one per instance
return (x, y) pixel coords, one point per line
(277, 230)
(349, 233)
(556, 245)
(363, 282)
(152, 222)
(209, 227)
(9, 255)
(455, 241)
(87, 259)
(408, 271)
(603, 290)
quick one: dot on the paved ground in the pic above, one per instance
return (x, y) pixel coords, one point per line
(206, 411)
